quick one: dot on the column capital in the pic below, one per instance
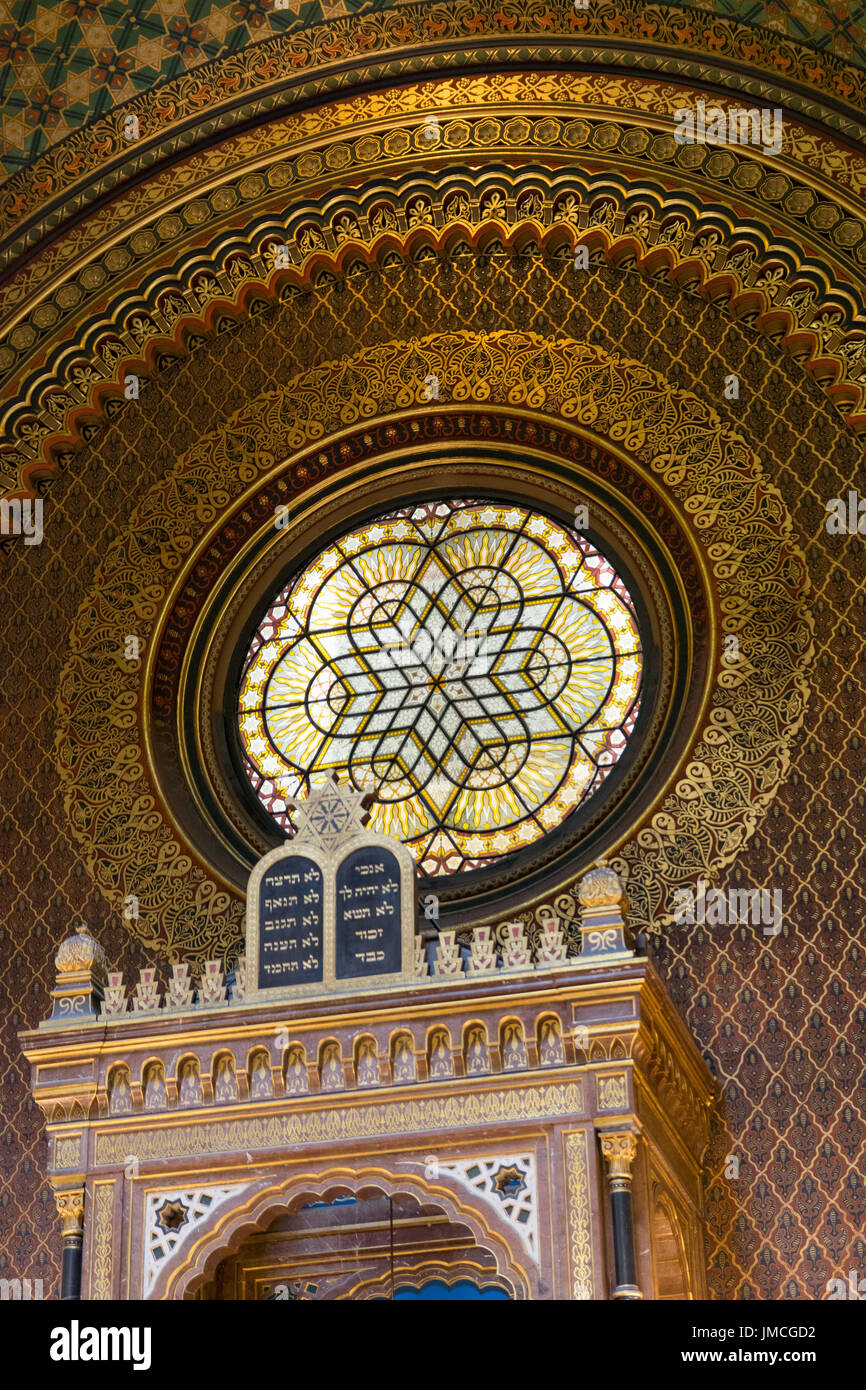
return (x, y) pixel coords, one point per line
(618, 1148)
(70, 1209)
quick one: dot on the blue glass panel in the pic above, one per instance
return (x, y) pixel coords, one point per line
(435, 1289)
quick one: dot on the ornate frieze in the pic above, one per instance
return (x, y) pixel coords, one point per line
(747, 260)
(153, 1103)
(337, 1123)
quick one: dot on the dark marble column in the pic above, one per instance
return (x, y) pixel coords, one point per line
(619, 1149)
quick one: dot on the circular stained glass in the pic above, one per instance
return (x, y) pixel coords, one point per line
(476, 664)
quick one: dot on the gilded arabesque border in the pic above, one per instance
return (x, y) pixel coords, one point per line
(579, 1214)
(740, 523)
(128, 306)
(300, 65)
(337, 1123)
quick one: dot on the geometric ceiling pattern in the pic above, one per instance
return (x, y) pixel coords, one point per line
(66, 63)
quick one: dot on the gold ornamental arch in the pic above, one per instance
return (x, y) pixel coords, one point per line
(221, 1233)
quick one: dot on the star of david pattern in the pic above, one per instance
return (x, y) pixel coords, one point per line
(328, 813)
(477, 664)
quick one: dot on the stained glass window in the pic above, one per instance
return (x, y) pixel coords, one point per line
(476, 664)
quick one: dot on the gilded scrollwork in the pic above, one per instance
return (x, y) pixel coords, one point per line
(579, 1214)
(101, 1247)
(67, 1151)
(340, 1123)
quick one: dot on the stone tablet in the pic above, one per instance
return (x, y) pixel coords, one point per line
(332, 910)
(368, 914)
(291, 923)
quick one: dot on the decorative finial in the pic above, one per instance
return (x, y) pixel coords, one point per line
(601, 887)
(79, 984)
(604, 934)
(81, 952)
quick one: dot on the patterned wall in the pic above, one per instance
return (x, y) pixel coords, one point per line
(781, 1022)
(65, 63)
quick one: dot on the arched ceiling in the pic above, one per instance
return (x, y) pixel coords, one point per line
(69, 62)
(74, 60)
(120, 251)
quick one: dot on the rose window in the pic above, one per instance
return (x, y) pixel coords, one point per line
(475, 664)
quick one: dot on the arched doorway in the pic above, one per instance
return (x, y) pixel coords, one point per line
(365, 1245)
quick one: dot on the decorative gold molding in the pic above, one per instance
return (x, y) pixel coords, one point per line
(661, 1073)
(339, 1123)
(579, 1214)
(101, 1242)
(67, 1150)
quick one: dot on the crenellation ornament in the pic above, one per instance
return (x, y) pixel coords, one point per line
(115, 1003)
(448, 958)
(483, 957)
(180, 993)
(147, 993)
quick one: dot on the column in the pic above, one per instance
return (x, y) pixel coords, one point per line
(70, 1209)
(619, 1149)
